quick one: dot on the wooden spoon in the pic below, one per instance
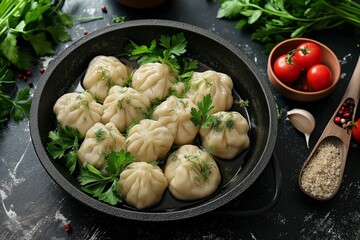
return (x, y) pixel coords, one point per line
(339, 138)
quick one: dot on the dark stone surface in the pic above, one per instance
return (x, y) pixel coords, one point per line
(35, 207)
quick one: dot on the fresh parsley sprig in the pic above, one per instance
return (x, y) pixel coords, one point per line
(169, 50)
(202, 116)
(64, 143)
(104, 187)
(17, 108)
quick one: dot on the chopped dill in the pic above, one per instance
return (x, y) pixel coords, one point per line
(230, 123)
(203, 171)
(100, 135)
(105, 73)
(242, 103)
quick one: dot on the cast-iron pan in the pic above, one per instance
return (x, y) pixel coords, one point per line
(212, 52)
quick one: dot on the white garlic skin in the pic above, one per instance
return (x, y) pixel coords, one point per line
(303, 121)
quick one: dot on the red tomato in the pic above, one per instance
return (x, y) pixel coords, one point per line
(356, 132)
(285, 70)
(319, 77)
(307, 54)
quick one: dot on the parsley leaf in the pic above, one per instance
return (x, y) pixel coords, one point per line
(202, 117)
(64, 143)
(119, 19)
(105, 187)
(17, 108)
(21, 105)
(169, 50)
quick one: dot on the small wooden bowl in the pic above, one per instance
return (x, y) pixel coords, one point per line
(141, 3)
(329, 59)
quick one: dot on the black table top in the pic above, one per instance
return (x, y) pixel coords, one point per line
(33, 206)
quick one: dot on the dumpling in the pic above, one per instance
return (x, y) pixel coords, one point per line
(142, 184)
(192, 173)
(99, 141)
(123, 105)
(149, 141)
(102, 73)
(154, 80)
(218, 85)
(228, 136)
(175, 114)
(78, 110)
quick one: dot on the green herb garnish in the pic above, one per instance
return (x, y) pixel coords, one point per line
(100, 135)
(242, 103)
(202, 169)
(105, 187)
(119, 19)
(64, 143)
(202, 117)
(169, 50)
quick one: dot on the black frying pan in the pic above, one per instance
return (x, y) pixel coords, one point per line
(214, 53)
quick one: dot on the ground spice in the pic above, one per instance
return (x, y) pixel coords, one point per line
(321, 176)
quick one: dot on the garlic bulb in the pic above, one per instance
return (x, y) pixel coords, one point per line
(303, 121)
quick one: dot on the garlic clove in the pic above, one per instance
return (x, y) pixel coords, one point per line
(303, 121)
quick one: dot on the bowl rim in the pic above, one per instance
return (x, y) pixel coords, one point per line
(312, 93)
(142, 215)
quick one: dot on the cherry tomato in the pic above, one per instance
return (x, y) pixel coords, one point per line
(307, 54)
(319, 77)
(285, 70)
(356, 131)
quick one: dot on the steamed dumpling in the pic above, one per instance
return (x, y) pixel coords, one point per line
(123, 105)
(154, 80)
(218, 85)
(78, 111)
(102, 73)
(175, 114)
(149, 141)
(142, 185)
(99, 141)
(228, 136)
(192, 173)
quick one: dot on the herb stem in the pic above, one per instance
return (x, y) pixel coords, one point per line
(12, 12)
(288, 15)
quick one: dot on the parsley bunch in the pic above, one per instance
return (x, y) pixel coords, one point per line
(276, 20)
(169, 50)
(104, 187)
(37, 22)
(64, 143)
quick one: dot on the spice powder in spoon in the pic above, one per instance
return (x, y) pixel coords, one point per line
(321, 175)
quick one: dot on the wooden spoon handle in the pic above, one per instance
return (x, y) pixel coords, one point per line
(352, 91)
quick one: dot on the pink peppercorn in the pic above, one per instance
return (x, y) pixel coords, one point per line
(104, 9)
(337, 119)
(67, 227)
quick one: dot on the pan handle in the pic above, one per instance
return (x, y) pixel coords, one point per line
(252, 212)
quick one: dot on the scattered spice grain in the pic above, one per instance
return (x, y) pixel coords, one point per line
(321, 175)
